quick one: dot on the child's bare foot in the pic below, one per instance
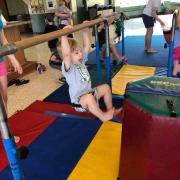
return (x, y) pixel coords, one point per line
(16, 139)
(151, 51)
(108, 115)
(117, 111)
(123, 59)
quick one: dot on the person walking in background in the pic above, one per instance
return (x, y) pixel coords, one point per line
(149, 18)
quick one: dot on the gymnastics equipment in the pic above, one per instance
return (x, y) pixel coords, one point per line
(9, 144)
(11, 48)
(98, 63)
(150, 131)
(129, 73)
(29, 42)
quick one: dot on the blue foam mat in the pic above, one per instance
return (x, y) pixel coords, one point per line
(134, 50)
(161, 71)
(61, 95)
(54, 154)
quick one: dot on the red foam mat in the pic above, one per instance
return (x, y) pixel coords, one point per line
(41, 107)
(28, 126)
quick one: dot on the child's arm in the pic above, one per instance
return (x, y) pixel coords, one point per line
(13, 60)
(86, 39)
(66, 51)
(3, 20)
(154, 14)
(111, 19)
(54, 59)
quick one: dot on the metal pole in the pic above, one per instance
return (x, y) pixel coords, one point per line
(108, 60)
(26, 43)
(123, 42)
(98, 56)
(170, 58)
(8, 143)
(171, 45)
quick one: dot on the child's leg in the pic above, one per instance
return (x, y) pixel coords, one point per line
(104, 92)
(116, 54)
(88, 101)
(176, 67)
(3, 91)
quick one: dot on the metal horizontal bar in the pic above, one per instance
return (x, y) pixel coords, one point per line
(26, 43)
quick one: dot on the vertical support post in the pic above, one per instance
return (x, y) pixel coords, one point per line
(98, 63)
(108, 60)
(8, 143)
(170, 58)
(123, 42)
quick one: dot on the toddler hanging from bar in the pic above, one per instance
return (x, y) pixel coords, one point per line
(83, 97)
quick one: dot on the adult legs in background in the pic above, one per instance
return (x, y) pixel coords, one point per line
(148, 39)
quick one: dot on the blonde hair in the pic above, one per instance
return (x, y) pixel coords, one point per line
(72, 44)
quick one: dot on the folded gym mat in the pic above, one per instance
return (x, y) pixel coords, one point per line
(101, 159)
(41, 107)
(129, 73)
(28, 126)
(58, 109)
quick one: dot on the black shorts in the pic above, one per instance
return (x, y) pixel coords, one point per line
(148, 21)
(77, 106)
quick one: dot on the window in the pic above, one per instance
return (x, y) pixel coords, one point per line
(130, 3)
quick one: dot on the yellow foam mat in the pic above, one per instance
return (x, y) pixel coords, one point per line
(129, 73)
(101, 159)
